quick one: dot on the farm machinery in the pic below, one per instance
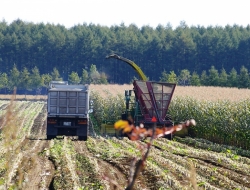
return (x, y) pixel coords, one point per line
(68, 108)
(151, 100)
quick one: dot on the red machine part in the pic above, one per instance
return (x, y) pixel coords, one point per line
(154, 99)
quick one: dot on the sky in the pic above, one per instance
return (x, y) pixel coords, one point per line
(139, 12)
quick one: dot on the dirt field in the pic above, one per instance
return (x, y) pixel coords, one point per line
(29, 161)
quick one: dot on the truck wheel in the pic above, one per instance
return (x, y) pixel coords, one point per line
(82, 138)
(49, 137)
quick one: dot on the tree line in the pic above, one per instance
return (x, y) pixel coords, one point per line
(154, 50)
(212, 77)
(32, 82)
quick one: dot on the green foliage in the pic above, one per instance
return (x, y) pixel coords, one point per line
(164, 76)
(107, 109)
(74, 78)
(85, 77)
(222, 122)
(213, 77)
(25, 79)
(94, 75)
(195, 79)
(55, 75)
(46, 78)
(194, 49)
(223, 81)
(154, 49)
(87, 173)
(233, 78)
(103, 78)
(172, 77)
(14, 79)
(184, 78)
(3, 80)
(243, 78)
(204, 78)
(36, 81)
(30, 81)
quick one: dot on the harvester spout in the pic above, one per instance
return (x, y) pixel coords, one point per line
(131, 63)
(113, 56)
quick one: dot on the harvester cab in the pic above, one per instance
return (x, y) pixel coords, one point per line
(151, 100)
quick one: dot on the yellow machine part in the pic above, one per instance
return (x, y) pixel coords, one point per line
(108, 129)
(182, 133)
(132, 64)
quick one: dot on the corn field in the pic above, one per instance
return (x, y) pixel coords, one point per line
(224, 120)
(215, 156)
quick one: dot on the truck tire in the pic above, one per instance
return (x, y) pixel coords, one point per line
(49, 137)
(82, 138)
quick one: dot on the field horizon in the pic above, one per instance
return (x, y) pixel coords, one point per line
(197, 92)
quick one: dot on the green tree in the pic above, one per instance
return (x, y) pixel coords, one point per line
(55, 75)
(103, 78)
(172, 77)
(25, 80)
(14, 79)
(184, 78)
(36, 80)
(213, 77)
(243, 78)
(184, 47)
(204, 78)
(233, 78)
(74, 78)
(223, 81)
(3, 81)
(46, 79)
(195, 79)
(164, 76)
(94, 75)
(85, 77)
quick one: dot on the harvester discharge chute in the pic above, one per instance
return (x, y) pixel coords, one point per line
(152, 100)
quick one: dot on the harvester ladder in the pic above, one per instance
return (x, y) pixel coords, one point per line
(138, 113)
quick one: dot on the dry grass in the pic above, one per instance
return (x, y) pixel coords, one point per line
(113, 89)
(213, 93)
(200, 93)
(22, 97)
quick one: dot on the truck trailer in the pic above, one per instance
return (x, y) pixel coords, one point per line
(68, 108)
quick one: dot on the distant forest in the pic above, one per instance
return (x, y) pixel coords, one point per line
(157, 51)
